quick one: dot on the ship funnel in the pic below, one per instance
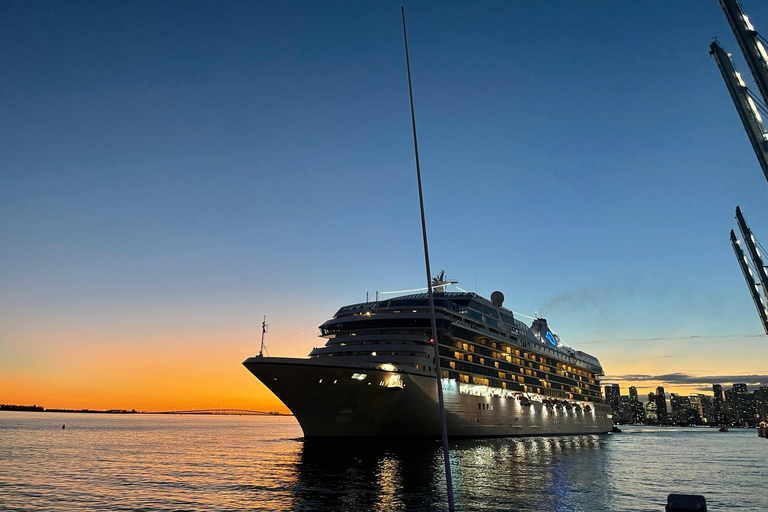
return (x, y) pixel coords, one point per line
(539, 328)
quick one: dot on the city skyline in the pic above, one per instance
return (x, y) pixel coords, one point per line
(176, 172)
(738, 406)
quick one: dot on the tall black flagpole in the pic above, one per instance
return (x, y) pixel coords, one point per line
(435, 340)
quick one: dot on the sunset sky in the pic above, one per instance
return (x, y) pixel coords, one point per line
(171, 172)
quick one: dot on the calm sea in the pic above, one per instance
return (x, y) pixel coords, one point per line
(163, 463)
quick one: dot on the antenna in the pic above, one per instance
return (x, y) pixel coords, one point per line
(263, 332)
(430, 293)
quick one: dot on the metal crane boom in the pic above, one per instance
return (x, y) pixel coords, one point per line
(749, 241)
(745, 105)
(751, 46)
(742, 258)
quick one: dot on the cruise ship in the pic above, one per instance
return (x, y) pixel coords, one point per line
(375, 375)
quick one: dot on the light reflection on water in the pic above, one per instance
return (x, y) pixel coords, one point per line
(158, 463)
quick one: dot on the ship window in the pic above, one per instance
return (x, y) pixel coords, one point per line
(496, 364)
(453, 364)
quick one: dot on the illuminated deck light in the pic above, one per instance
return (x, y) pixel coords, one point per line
(388, 367)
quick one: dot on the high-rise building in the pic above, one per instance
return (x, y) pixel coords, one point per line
(744, 406)
(763, 393)
(678, 416)
(638, 411)
(717, 404)
(696, 415)
(651, 418)
(707, 409)
(729, 408)
(661, 405)
(626, 411)
(613, 399)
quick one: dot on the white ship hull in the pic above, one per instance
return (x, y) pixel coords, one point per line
(328, 402)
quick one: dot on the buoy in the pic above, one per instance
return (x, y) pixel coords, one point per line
(64, 426)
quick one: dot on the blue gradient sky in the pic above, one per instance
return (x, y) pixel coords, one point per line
(172, 171)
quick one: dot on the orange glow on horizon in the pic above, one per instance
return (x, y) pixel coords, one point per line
(92, 369)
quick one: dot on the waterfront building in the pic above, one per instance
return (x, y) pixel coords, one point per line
(613, 399)
(661, 406)
(744, 405)
(729, 409)
(763, 400)
(717, 404)
(707, 409)
(651, 418)
(696, 415)
(626, 410)
(679, 414)
(638, 411)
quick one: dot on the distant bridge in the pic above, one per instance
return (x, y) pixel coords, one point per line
(225, 412)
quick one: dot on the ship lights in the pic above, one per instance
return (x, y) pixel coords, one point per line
(359, 376)
(395, 381)
(388, 367)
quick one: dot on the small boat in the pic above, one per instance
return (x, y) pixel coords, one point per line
(724, 428)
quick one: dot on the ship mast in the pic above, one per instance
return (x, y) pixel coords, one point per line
(263, 332)
(430, 294)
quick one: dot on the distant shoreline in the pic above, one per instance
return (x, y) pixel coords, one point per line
(202, 412)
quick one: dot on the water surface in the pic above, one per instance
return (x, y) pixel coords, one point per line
(196, 463)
